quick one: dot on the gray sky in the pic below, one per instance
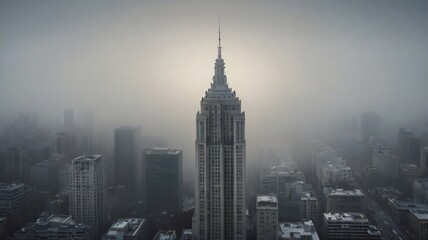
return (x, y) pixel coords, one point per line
(294, 64)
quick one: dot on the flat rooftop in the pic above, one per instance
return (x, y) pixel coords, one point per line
(130, 226)
(346, 217)
(407, 205)
(165, 235)
(10, 186)
(163, 150)
(338, 192)
(297, 230)
(420, 214)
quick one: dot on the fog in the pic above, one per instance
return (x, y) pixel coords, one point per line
(298, 66)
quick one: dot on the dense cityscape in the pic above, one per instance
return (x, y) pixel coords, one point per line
(70, 174)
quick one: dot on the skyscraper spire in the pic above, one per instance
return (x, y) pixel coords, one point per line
(219, 39)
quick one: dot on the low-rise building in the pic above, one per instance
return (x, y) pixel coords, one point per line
(418, 223)
(401, 210)
(127, 229)
(55, 227)
(186, 234)
(340, 200)
(165, 235)
(348, 226)
(297, 230)
(420, 190)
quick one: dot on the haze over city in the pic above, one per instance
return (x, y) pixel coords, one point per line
(305, 71)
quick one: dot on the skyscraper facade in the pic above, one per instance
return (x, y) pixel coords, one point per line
(163, 180)
(220, 162)
(88, 192)
(127, 156)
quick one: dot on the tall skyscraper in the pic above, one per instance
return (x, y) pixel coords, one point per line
(88, 192)
(127, 156)
(220, 162)
(163, 180)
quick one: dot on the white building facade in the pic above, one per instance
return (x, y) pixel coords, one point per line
(267, 217)
(220, 162)
(88, 192)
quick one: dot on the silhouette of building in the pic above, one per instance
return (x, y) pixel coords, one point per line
(163, 180)
(220, 162)
(386, 162)
(371, 124)
(127, 156)
(88, 191)
(409, 147)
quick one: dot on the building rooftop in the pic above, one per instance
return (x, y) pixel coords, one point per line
(54, 223)
(297, 230)
(10, 186)
(420, 213)
(163, 150)
(407, 205)
(128, 227)
(267, 201)
(338, 192)
(165, 235)
(346, 217)
(186, 234)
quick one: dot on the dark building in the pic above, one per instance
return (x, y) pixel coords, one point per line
(409, 147)
(163, 180)
(127, 156)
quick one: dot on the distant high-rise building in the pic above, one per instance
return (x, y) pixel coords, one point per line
(409, 147)
(63, 147)
(424, 161)
(267, 217)
(16, 165)
(88, 191)
(127, 156)
(220, 162)
(386, 161)
(163, 180)
(55, 227)
(68, 120)
(127, 229)
(45, 176)
(371, 124)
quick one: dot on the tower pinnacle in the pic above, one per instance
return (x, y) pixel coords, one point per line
(219, 39)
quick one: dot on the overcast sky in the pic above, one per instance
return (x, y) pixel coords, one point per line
(294, 64)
